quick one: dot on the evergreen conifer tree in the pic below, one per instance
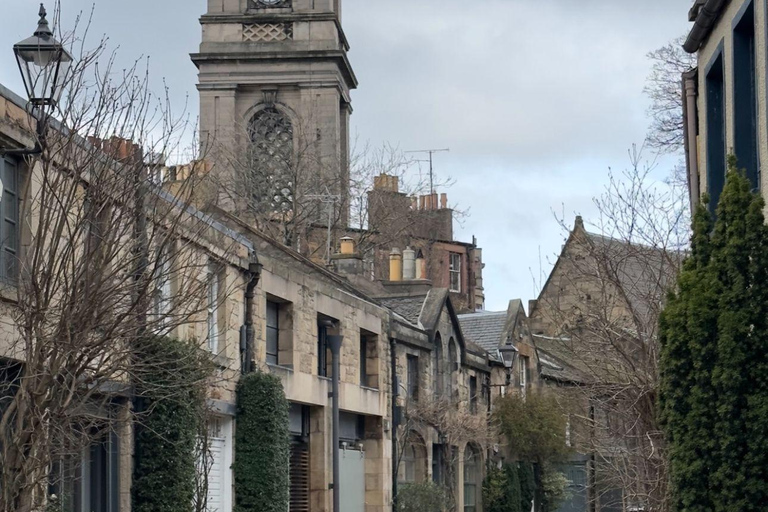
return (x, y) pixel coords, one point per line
(714, 400)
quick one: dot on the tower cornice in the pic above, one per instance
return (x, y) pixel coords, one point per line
(337, 56)
(245, 18)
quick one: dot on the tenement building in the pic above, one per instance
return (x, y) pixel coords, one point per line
(224, 271)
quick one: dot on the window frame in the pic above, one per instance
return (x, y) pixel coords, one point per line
(273, 357)
(10, 253)
(412, 372)
(213, 293)
(522, 370)
(473, 394)
(363, 358)
(471, 467)
(454, 270)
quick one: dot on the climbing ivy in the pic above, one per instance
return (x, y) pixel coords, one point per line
(262, 445)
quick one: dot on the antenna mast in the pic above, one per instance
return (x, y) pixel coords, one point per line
(431, 175)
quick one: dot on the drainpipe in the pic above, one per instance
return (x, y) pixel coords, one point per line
(334, 342)
(395, 418)
(254, 274)
(692, 149)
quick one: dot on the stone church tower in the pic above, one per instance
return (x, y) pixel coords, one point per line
(274, 83)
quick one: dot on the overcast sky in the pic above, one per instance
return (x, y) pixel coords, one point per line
(535, 98)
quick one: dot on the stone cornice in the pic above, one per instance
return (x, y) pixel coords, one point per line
(256, 17)
(338, 56)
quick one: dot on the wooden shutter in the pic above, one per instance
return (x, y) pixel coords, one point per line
(299, 477)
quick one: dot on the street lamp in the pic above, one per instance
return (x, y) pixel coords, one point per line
(44, 64)
(508, 355)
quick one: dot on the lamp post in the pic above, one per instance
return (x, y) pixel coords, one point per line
(334, 343)
(44, 65)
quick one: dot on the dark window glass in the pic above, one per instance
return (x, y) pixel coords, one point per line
(273, 331)
(413, 377)
(745, 96)
(437, 464)
(363, 359)
(473, 395)
(715, 132)
(437, 366)
(471, 480)
(9, 228)
(322, 349)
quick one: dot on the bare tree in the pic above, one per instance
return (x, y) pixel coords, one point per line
(455, 427)
(665, 90)
(109, 258)
(280, 179)
(599, 313)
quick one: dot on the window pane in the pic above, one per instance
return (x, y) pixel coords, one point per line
(272, 345)
(273, 310)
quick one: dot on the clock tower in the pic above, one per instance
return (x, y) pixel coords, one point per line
(274, 83)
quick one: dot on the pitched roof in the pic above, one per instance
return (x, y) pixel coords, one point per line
(407, 307)
(484, 328)
(644, 274)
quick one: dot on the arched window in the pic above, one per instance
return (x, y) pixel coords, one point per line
(270, 161)
(453, 355)
(471, 478)
(437, 366)
(413, 461)
(407, 473)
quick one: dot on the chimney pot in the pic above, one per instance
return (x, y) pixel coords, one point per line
(409, 264)
(395, 265)
(443, 201)
(347, 245)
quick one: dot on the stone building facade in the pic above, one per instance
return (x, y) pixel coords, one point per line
(725, 102)
(594, 326)
(296, 303)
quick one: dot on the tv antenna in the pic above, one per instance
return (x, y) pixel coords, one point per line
(431, 152)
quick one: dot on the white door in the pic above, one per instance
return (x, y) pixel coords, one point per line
(219, 474)
(216, 475)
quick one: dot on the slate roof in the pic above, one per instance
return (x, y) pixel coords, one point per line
(484, 328)
(643, 273)
(558, 361)
(407, 307)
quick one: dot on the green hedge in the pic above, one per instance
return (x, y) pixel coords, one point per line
(171, 378)
(423, 497)
(262, 445)
(502, 490)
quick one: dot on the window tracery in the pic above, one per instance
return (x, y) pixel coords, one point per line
(271, 161)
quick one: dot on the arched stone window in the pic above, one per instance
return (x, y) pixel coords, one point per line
(437, 367)
(413, 462)
(271, 160)
(472, 478)
(453, 355)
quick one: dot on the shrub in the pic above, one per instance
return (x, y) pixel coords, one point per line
(262, 445)
(554, 489)
(171, 378)
(534, 426)
(423, 497)
(527, 486)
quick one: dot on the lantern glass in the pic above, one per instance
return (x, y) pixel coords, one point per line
(44, 64)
